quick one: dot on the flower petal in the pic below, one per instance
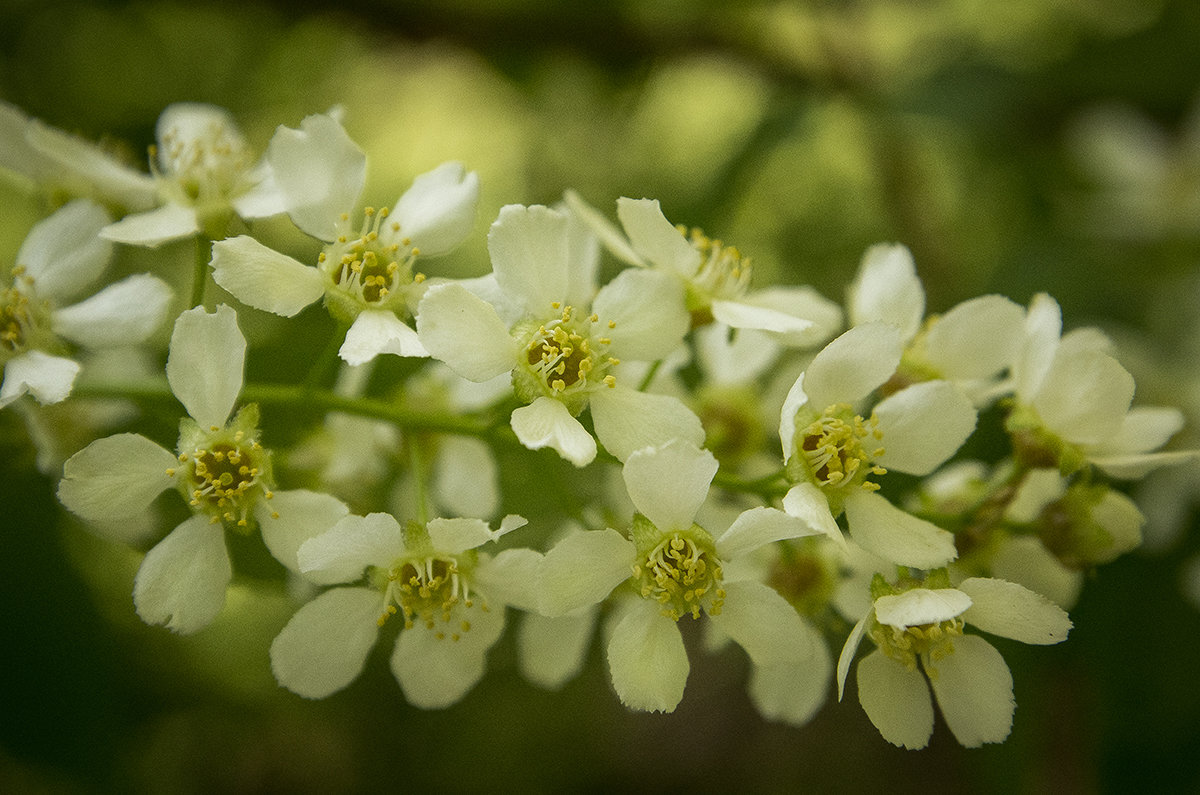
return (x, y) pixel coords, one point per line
(551, 651)
(123, 313)
(647, 313)
(921, 606)
(802, 317)
(808, 503)
(896, 700)
(154, 227)
(607, 232)
(849, 368)
(796, 399)
(465, 332)
(63, 253)
(1085, 396)
(546, 423)
(668, 484)
(763, 623)
(438, 210)
(182, 580)
(115, 477)
(48, 378)
(205, 363)
(355, 542)
(647, 660)
(627, 420)
(510, 578)
(849, 649)
(465, 477)
(263, 278)
(900, 537)
(582, 570)
(655, 238)
(436, 672)
(529, 251)
(319, 171)
(976, 339)
(1026, 561)
(792, 692)
(887, 289)
(325, 645)
(290, 518)
(1013, 611)
(974, 691)
(454, 536)
(923, 425)
(758, 527)
(378, 331)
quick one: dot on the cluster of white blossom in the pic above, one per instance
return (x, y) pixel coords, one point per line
(765, 515)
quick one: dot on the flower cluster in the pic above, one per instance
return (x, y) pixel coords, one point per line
(693, 450)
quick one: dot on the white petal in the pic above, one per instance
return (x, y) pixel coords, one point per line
(648, 312)
(510, 578)
(204, 367)
(546, 423)
(1085, 396)
(351, 545)
(849, 368)
(182, 580)
(808, 503)
(974, 691)
(1039, 488)
(923, 425)
(819, 318)
(976, 339)
(87, 167)
(900, 537)
(793, 692)
(465, 477)
(611, 237)
(551, 651)
(763, 623)
(437, 672)
(647, 660)
(115, 477)
(1026, 560)
(121, 314)
(529, 251)
(453, 536)
(301, 515)
(1121, 518)
(758, 527)
(582, 570)
(668, 484)
(921, 606)
(743, 314)
(887, 289)
(263, 278)
(63, 253)
(438, 211)
(465, 332)
(324, 646)
(264, 199)
(1144, 428)
(849, 649)
(378, 331)
(154, 227)
(628, 420)
(1137, 465)
(734, 358)
(655, 238)
(796, 398)
(1013, 611)
(896, 700)
(1043, 325)
(47, 378)
(319, 171)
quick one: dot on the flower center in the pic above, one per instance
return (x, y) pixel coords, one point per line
(927, 642)
(682, 574)
(428, 590)
(226, 474)
(208, 168)
(723, 273)
(833, 446)
(563, 359)
(23, 318)
(373, 269)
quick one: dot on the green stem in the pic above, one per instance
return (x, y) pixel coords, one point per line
(768, 487)
(420, 493)
(653, 371)
(200, 269)
(320, 369)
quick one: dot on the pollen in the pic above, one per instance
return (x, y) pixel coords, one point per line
(564, 358)
(683, 574)
(372, 268)
(835, 450)
(427, 591)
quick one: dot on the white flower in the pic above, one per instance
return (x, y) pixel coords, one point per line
(221, 469)
(970, 345)
(449, 597)
(832, 451)
(1073, 403)
(365, 272)
(561, 345)
(205, 173)
(677, 569)
(64, 166)
(716, 277)
(59, 260)
(918, 631)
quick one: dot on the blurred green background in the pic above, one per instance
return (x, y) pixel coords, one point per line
(1015, 147)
